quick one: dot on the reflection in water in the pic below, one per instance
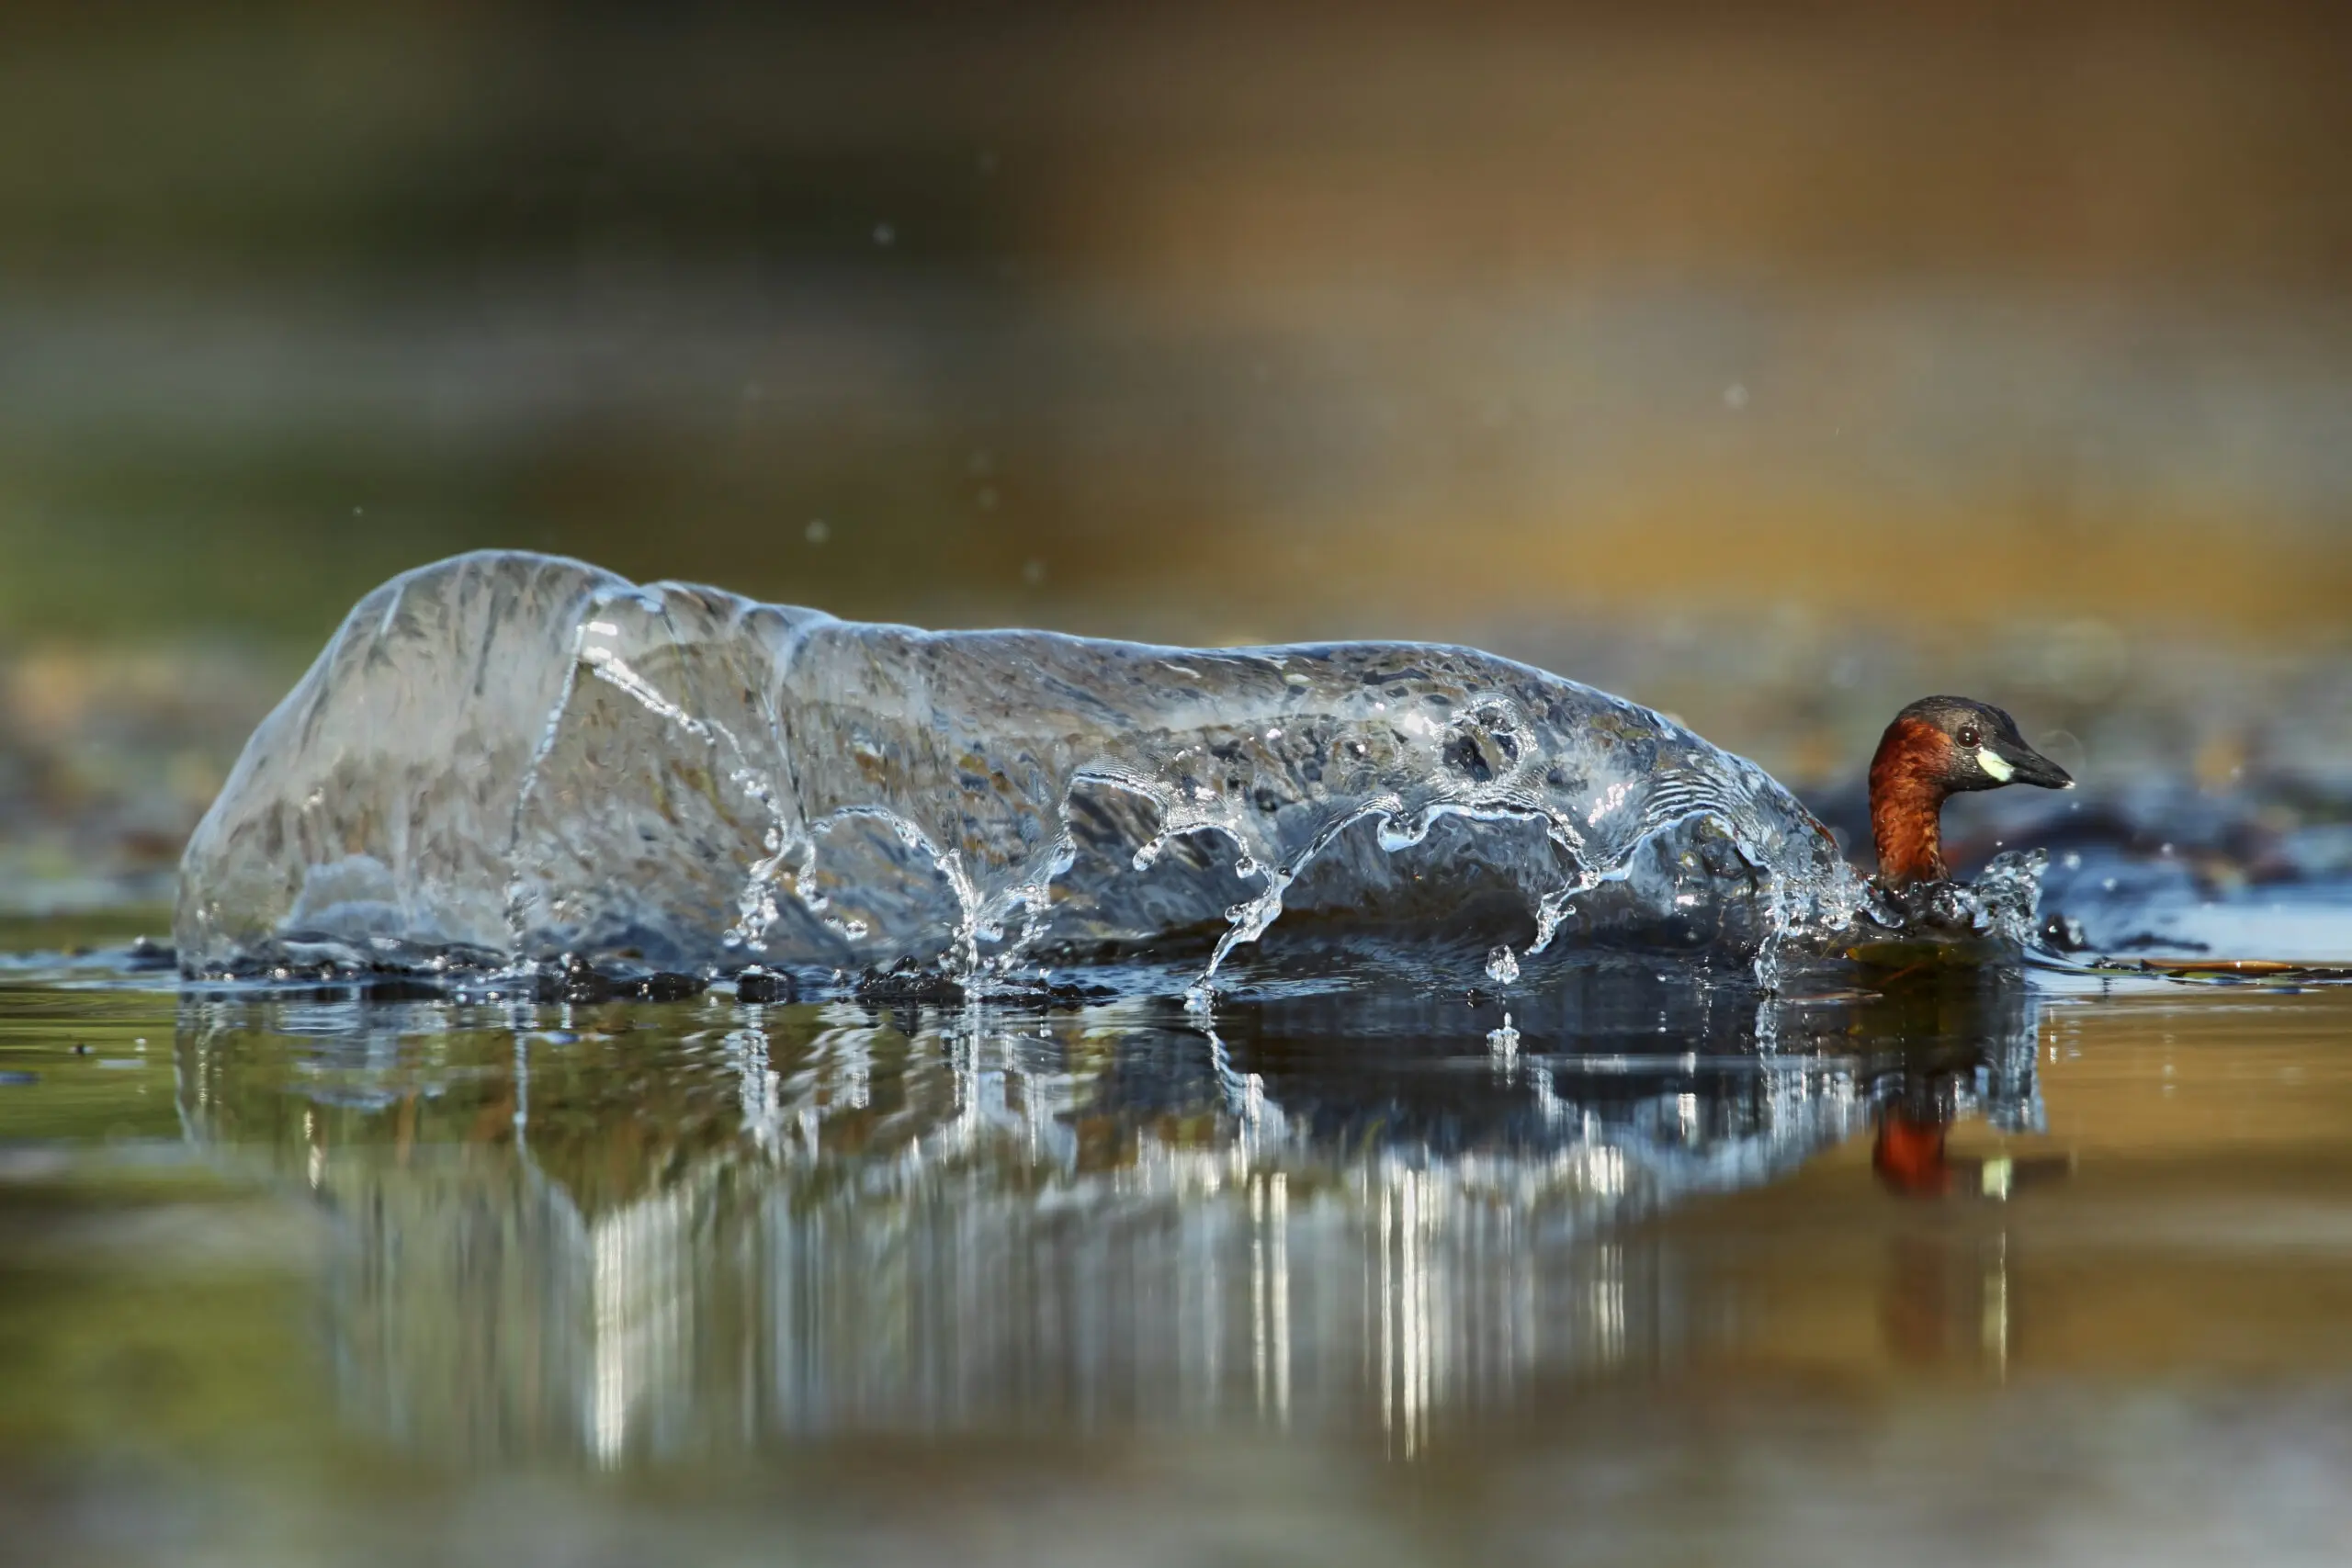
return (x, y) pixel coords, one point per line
(670, 1229)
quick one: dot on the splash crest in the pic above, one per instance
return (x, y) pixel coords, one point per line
(510, 759)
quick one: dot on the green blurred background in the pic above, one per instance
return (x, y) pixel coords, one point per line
(1680, 346)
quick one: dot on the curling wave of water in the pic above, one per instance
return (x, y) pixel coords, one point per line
(512, 759)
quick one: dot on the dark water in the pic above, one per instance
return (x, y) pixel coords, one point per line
(1653, 1271)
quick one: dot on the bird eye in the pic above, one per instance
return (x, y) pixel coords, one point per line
(1969, 735)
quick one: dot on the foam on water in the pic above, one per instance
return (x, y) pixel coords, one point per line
(512, 758)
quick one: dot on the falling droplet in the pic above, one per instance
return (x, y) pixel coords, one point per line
(1502, 965)
(1502, 1045)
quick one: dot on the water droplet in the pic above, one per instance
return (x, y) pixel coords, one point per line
(1502, 1045)
(819, 531)
(1502, 965)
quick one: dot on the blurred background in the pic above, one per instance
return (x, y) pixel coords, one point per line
(1772, 365)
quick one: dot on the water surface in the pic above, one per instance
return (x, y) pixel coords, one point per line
(1363, 1273)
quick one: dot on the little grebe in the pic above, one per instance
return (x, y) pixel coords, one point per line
(1934, 748)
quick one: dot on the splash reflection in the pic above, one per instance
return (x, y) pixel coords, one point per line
(720, 1224)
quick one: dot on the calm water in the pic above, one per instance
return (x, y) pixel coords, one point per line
(1649, 1271)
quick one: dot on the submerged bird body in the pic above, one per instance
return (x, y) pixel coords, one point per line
(1936, 748)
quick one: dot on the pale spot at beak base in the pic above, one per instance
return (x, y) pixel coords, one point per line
(1998, 767)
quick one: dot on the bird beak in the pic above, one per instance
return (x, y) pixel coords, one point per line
(2018, 763)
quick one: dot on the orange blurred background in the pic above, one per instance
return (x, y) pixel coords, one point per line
(1253, 320)
(1840, 349)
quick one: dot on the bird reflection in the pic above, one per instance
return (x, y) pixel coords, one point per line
(1967, 1049)
(1964, 1041)
(1909, 1152)
(626, 1228)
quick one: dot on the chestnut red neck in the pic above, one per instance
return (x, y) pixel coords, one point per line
(1907, 793)
(1908, 1155)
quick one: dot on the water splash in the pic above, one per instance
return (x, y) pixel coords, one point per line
(733, 781)
(2001, 905)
